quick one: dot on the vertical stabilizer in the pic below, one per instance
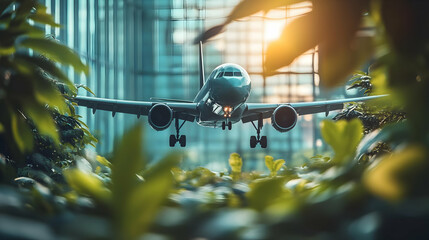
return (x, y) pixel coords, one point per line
(202, 80)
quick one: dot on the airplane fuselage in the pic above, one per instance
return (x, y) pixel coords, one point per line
(223, 96)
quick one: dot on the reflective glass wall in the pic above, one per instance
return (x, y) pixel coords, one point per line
(142, 49)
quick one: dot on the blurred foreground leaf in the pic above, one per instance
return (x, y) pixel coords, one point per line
(136, 202)
(87, 184)
(235, 162)
(264, 192)
(273, 166)
(403, 173)
(343, 136)
(56, 52)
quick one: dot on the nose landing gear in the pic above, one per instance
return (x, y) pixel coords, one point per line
(228, 123)
(178, 138)
(254, 140)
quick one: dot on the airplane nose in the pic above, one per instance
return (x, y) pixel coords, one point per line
(229, 91)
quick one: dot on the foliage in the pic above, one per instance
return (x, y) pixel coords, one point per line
(273, 166)
(28, 93)
(343, 136)
(41, 131)
(235, 162)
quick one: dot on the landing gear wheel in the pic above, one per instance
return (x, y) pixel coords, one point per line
(258, 139)
(177, 138)
(172, 140)
(182, 141)
(223, 125)
(229, 125)
(253, 141)
(263, 142)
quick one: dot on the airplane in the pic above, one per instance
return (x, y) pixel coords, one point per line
(220, 102)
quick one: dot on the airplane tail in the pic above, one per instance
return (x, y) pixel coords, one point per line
(202, 80)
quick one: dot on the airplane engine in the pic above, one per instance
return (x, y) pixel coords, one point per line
(160, 116)
(284, 118)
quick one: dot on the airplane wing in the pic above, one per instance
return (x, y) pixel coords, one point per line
(254, 110)
(185, 110)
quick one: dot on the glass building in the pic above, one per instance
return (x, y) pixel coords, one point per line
(142, 49)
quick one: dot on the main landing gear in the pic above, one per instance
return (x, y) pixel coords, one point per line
(177, 138)
(227, 123)
(258, 139)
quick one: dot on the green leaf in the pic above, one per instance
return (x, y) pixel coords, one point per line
(87, 184)
(46, 93)
(127, 161)
(7, 50)
(26, 29)
(103, 161)
(24, 9)
(400, 174)
(278, 164)
(394, 134)
(1, 128)
(335, 63)
(43, 120)
(86, 88)
(56, 52)
(343, 136)
(21, 132)
(269, 162)
(235, 162)
(148, 198)
(131, 196)
(41, 16)
(48, 67)
(264, 192)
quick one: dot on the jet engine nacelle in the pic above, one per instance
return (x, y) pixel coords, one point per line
(160, 116)
(284, 118)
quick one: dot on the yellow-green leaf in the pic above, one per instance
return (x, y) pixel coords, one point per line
(86, 88)
(263, 192)
(338, 61)
(42, 16)
(278, 164)
(269, 162)
(87, 184)
(5, 50)
(399, 173)
(146, 198)
(56, 52)
(48, 67)
(235, 162)
(43, 120)
(103, 161)
(343, 136)
(21, 132)
(1, 128)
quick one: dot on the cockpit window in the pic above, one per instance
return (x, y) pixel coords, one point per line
(228, 74)
(237, 74)
(219, 75)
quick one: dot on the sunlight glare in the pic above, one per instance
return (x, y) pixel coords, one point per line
(273, 29)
